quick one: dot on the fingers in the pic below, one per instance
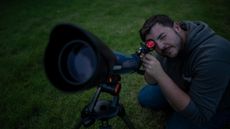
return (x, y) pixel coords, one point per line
(149, 57)
(152, 66)
(149, 61)
(147, 67)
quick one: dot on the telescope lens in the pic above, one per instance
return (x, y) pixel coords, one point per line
(81, 63)
(78, 62)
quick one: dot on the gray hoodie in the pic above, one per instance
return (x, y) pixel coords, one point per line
(203, 70)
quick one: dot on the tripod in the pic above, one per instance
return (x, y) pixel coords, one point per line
(104, 110)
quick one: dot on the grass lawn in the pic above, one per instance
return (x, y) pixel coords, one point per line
(29, 101)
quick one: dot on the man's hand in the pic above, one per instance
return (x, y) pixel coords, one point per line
(152, 67)
(176, 97)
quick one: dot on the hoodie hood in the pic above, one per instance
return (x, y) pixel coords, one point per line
(198, 32)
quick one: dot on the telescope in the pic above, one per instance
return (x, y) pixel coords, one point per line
(76, 60)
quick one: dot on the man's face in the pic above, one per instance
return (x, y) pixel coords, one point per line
(168, 41)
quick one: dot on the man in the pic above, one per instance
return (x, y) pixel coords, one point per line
(190, 73)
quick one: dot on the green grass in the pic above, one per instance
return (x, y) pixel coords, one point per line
(29, 101)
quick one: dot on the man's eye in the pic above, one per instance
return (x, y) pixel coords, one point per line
(162, 37)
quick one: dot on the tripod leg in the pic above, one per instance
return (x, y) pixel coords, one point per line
(125, 118)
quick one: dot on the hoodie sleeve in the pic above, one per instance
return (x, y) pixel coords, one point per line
(205, 92)
(210, 79)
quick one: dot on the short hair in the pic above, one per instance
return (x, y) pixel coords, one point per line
(153, 20)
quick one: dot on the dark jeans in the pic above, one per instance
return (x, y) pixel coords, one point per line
(151, 97)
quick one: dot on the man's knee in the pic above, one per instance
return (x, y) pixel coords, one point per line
(144, 97)
(150, 96)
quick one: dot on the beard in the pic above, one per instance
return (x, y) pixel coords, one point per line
(176, 49)
(180, 44)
